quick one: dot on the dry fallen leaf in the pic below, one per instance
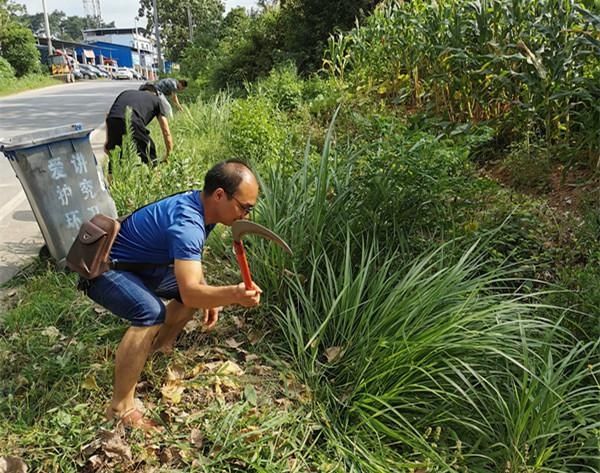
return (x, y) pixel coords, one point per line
(91, 448)
(175, 373)
(333, 353)
(227, 368)
(283, 402)
(115, 447)
(169, 455)
(172, 391)
(51, 332)
(94, 463)
(233, 343)
(196, 370)
(12, 465)
(193, 325)
(238, 322)
(197, 438)
(254, 336)
(90, 383)
(260, 370)
(251, 433)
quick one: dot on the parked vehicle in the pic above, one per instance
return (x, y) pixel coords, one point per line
(104, 70)
(87, 71)
(95, 69)
(112, 69)
(123, 73)
(137, 75)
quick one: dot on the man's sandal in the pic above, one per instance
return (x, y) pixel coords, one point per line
(133, 418)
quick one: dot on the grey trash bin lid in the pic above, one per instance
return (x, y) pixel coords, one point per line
(52, 135)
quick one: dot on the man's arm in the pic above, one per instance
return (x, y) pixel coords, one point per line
(196, 293)
(176, 100)
(166, 132)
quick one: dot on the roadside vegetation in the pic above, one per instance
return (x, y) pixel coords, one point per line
(11, 85)
(20, 66)
(437, 181)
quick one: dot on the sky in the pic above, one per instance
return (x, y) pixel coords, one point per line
(122, 12)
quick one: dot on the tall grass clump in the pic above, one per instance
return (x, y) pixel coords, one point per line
(438, 360)
(393, 351)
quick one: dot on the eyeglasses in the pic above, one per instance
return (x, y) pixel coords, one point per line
(247, 208)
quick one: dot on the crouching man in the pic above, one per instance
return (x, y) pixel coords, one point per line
(170, 234)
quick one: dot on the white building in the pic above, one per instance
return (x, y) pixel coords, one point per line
(144, 56)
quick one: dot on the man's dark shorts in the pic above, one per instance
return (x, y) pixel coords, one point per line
(135, 297)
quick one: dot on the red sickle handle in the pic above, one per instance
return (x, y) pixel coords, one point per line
(240, 254)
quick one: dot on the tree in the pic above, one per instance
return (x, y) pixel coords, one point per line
(35, 22)
(248, 49)
(17, 46)
(206, 16)
(72, 28)
(62, 26)
(307, 25)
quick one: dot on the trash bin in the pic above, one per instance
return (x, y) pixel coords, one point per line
(62, 180)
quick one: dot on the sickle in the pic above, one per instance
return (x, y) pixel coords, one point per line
(239, 228)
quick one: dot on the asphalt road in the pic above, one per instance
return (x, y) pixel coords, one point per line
(84, 102)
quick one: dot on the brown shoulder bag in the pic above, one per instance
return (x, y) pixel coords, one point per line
(89, 255)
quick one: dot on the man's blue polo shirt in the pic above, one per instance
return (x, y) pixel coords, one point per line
(172, 228)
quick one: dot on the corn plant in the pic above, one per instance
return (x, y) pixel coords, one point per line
(509, 62)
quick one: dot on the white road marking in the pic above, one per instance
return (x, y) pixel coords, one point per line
(12, 204)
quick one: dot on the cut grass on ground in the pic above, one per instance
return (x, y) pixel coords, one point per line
(226, 402)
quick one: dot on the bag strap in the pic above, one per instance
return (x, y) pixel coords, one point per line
(131, 266)
(134, 266)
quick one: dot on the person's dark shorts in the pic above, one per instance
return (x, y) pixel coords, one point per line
(135, 297)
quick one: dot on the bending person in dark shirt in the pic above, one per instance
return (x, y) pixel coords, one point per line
(145, 104)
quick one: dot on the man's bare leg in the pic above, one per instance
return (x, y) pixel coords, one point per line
(130, 359)
(176, 317)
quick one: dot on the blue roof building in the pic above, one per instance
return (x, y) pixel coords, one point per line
(122, 54)
(130, 47)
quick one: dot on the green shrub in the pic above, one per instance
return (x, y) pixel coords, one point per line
(245, 57)
(282, 86)
(17, 46)
(7, 72)
(257, 130)
(321, 95)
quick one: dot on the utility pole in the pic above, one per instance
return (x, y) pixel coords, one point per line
(47, 27)
(161, 66)
(136, 41)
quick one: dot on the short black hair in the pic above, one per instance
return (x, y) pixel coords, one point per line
(183, 82)
(227, 175)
